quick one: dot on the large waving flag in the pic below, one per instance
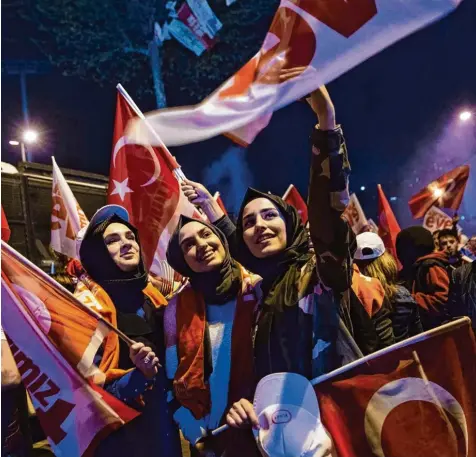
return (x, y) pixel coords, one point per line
(388, 227)
(309, 43)
(67, 217)
(143, 180)
(54, 341)
(445, 192)
(405, 401)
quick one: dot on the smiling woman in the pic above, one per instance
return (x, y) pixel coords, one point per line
(122, 246)
(208, 327)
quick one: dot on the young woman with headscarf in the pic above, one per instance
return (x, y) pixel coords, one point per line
(110, 255)
(208, 327)
(311, 321)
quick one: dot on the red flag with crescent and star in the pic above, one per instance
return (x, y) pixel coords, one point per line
(309, 43)
(293, 198)
(445, 192)
(142, 180)
(414, 399)
(388, 227)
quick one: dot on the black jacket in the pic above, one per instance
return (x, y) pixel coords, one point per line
(405, 315)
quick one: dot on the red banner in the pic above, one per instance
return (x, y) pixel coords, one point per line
(446, 192)
(405, 402)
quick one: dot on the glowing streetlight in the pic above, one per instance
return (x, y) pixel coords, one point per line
(14, 142)
(465, 116)
(30, 136)
(362, 188)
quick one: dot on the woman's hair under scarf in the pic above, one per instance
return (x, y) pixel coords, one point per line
(218, 286)
(123, 287)
(280, 272)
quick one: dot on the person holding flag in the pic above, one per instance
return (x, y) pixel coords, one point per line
(208, 328)
(310, 321)
(110, 253)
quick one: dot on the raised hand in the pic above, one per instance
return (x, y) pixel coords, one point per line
(322, 105)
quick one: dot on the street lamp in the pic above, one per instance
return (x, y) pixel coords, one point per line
(465, 116)
(30, 136)
(27, 137)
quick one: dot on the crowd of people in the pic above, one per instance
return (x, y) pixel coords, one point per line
(265, 294)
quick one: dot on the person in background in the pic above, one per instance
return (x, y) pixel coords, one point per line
(111, 256)
(208, 328)
(426, 274)
(448, 242)
(469, 249)
(462, 300)
(374, 261)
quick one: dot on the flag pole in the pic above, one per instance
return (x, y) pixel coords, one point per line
(53, 283)
(177, 170)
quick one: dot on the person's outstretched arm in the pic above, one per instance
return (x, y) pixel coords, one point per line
(328, 196)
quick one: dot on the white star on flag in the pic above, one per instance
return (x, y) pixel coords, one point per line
(121, 188)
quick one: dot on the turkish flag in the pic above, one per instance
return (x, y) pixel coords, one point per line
(6, 232)
(446, 192)
(388, 227)
(309, 43)
(414, 399)
(293, 198)
(54, 342)
(142, 180)
(220, 202)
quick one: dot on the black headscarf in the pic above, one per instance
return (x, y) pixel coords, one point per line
(280, 272)
(218, 286)
(124, 288)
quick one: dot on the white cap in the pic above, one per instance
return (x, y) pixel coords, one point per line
(369, 246)
(289, 418)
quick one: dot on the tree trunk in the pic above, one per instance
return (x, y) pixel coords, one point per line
(156, 67)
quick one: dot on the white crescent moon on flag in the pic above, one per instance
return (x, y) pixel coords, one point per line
(121, 142)
(400, 391)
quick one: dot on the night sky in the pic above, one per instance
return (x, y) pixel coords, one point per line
(398, 111)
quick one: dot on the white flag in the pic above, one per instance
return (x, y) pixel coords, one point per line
(318, 40)
(435, 219)
(67, 218)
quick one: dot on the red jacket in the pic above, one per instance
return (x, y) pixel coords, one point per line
(431, 288)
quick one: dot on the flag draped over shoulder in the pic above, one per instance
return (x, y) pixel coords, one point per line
(53, 342)
(445, 192)
(142, 180)
(67, 217)
(293, 198)
(388, 227)
(309, 43)
(404, 400)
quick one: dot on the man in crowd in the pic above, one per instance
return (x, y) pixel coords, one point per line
(426, 274)
(448, 242)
